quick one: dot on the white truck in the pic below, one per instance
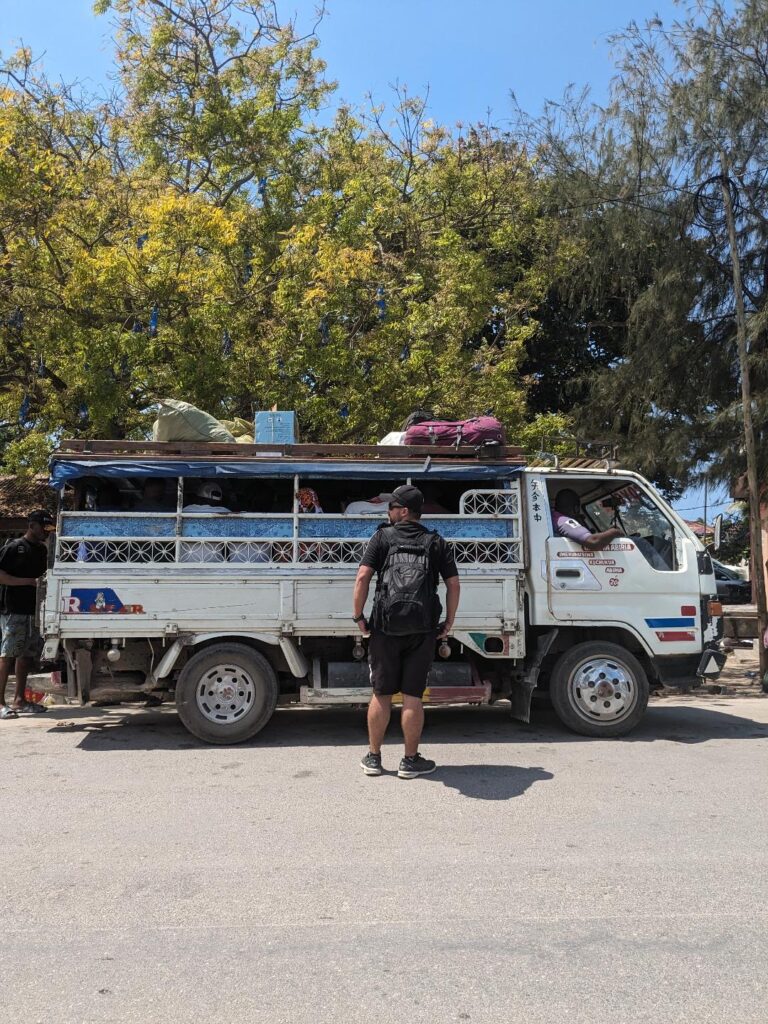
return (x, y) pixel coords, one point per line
(232, 613)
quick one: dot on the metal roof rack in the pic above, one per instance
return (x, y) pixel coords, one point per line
(583, 454)
(103, 450)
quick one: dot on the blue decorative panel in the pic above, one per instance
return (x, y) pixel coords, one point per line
(467, 528)
(360, 527)
(101, 524)
(234, 526)
(352, 527)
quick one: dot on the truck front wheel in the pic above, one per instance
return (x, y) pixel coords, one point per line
(599, 689)
(226, 693)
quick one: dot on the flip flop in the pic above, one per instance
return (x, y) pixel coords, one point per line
(6, 712)
(28, 708)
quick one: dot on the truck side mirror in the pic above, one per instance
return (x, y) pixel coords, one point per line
(718, 532)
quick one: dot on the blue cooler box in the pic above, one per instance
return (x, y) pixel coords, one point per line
(275, 428)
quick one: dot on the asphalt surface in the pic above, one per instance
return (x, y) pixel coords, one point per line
(535, 877)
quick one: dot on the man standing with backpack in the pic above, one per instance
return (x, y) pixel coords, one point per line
(405, 623)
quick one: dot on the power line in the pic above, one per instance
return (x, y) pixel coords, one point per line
(695, 508)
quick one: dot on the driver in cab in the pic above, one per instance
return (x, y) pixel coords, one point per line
(567, 523)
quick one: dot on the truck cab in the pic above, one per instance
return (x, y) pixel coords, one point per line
(645, 601)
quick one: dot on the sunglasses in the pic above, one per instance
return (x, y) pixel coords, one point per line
(394, 504)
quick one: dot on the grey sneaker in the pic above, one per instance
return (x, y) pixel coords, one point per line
(371, 764)
(410, 767)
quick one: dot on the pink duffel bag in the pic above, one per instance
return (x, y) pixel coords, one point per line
(478, 431)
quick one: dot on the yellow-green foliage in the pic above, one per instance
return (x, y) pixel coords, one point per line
(207, 193)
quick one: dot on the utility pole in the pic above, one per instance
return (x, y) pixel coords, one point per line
(755, 522)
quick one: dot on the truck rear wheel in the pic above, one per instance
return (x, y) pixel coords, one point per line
(226, 693)
(599, 689)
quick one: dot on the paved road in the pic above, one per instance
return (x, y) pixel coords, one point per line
(537, 877)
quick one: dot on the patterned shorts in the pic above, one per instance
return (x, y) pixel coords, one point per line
(20, 638)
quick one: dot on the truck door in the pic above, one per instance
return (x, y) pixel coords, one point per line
(647, 578)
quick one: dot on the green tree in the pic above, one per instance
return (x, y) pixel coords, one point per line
(411, 278)
(679, 158)
(197, 236)
(127, 274)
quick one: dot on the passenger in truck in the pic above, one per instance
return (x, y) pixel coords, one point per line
(153, 497)
(377, 505)
(567, 522)
(97, 495)
(308, 501)
(210, 499)
(432, 503)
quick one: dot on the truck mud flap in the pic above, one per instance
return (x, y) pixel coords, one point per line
(521, 691)
(711, 664)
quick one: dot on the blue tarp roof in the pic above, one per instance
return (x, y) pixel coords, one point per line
(72, 469)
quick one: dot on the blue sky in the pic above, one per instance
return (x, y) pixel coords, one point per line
(470, 56)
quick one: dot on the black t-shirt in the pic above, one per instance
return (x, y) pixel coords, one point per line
(375, 557)
(22, 558)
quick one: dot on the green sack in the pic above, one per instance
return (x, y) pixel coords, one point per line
(180, 421)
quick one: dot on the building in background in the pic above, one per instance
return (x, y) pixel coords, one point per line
(18, 497)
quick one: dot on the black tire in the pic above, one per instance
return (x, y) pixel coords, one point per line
(242, 695)
(579, 676)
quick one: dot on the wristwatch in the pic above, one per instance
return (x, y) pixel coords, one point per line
(358, 618)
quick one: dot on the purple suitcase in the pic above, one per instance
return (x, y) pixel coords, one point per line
(478, 431)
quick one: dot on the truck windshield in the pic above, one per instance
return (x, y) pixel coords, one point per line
(634, 512)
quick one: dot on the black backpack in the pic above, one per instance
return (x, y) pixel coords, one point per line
(406, 595)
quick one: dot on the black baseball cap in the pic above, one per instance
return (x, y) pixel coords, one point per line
(42, 516)
(408, 497)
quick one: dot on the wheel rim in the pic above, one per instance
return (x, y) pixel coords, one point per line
(225, 693)
(602, 690)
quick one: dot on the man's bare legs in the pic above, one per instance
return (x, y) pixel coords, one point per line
(23, 665)
(5, 671)
(412, 722)
(379, 711)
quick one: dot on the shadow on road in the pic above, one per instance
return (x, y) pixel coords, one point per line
(135, 728)
(488, 781)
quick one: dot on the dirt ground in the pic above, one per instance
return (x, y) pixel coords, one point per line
(739, 678)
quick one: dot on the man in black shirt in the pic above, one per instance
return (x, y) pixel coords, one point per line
(22, 562)
(409, 560)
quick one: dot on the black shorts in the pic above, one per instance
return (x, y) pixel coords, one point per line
(401, 664)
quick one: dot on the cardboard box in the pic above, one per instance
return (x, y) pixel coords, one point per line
(275, 428)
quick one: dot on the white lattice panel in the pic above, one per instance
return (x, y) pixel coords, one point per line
(487, 552)
(116, 552)
(331, 552)
(490, 503)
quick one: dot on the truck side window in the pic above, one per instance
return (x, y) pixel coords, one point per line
(633, 511)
